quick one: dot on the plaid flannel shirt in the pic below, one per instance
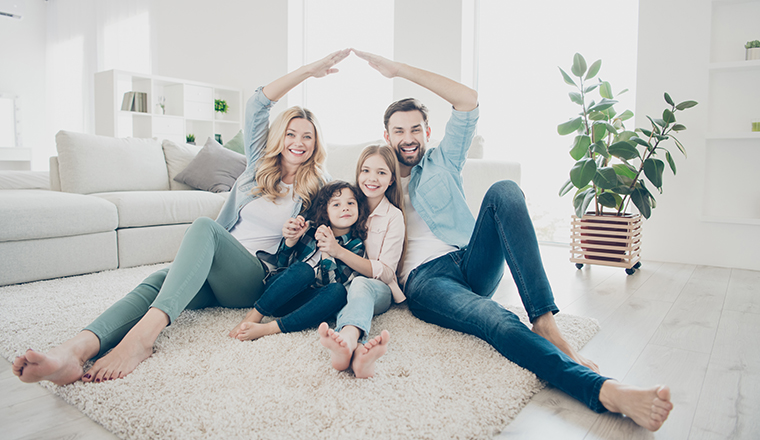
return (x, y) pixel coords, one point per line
(329, 270)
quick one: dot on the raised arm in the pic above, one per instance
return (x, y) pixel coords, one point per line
(279, 87)
(461, 97)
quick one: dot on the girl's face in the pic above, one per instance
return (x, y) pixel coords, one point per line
(299, 142)
(374, 177)
(343, 211)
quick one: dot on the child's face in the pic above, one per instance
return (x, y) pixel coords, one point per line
(374, 177)
(343, 211)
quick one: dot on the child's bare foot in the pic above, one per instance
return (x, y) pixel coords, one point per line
(366, 355)
(252, 316)
(340, 349)
(546, 327)
(250, 331)
(648, 407)
(58, 366)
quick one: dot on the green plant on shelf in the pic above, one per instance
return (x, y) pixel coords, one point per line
(752, 44)
(220, 105)
(190, 138)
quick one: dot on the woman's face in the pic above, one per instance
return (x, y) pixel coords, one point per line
(374, 177)
(343, 211)
(300, 141)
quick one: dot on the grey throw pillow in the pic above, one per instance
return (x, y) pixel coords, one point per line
(214, 169)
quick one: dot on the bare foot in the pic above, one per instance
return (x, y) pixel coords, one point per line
(546, 327)
(120, 361)
(648, 407)
(366, 355)
(61, 365)
(252, 316)
(339, 348)
(250, 331)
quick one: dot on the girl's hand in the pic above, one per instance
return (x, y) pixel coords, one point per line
(326, 241)
(293, 229)
(324, 66)
(386, 67)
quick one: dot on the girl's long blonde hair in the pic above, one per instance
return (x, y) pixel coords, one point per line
(309, 177)
(394, 193)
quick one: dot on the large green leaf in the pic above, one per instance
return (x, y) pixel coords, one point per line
(600, 148)
(655, 128)
(579, 65)
(567, 78)
(641, 142)
(626, 115)
(594, 69)
(570, 126)
(590, 88)
(576, 98)
(671, 162)
(604, 104)
(566, 187)
(580, 146)
(686, 104)
(623, 150)
(582, 199)
(599, 131)
(625, 170)
(605, 89)
(605, 178)
(680, 146)
(653, 169)
(678, 127)
(641, 199)
(668, 116)
(610, 200)
(582, 172)
(668, 99)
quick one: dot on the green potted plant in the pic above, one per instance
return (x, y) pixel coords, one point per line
(220, 106)
(752, 50)
(612, 167)
(190, 138)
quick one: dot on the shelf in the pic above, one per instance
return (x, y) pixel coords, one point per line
(735, 66)
(733, 136)
(733, 221)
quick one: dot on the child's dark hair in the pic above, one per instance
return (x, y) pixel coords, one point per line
(317, 213)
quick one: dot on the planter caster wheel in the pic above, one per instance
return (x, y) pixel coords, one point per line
(630, 271)
(637, 265)
(578, 266)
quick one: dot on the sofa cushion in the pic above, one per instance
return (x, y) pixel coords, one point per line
(13, 179)
(151, 208)
(236, 143)
(27, 214)
(90, 164)
(214, 169)
(178, 157)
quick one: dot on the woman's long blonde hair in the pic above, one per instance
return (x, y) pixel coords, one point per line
(394, 193)
(309, 177)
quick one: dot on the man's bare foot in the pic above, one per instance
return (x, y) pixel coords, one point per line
(648, 407)
(250, 331)
(546, 327)
(340, 349)
(366, 355)
(61, 365)
(252, 316)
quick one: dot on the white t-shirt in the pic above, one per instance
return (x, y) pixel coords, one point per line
(260, 223)
(422, 245)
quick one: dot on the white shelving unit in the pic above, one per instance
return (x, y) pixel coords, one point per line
(733, 104)
(188, 108)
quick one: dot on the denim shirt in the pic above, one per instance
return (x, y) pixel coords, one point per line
(435, 184)
(255, 139)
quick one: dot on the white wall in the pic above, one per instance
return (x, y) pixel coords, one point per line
(673, 56)
(22, 55)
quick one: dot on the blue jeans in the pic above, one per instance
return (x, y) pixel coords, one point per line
(290, 295)
(455, 291)
(367, 297)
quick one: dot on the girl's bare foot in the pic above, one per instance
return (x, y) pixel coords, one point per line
(366, 355)
(250, 331)
(341, 349)
(648, 407)
(252, 316)
(546, 327)
(62, 365)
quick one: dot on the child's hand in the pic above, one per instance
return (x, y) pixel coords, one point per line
(326, 241)
(293, 229)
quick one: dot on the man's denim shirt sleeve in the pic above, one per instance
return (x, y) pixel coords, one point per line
(436, 188)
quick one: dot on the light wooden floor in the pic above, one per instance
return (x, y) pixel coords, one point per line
(695, 328)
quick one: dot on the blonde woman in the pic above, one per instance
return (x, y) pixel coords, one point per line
(216, 263)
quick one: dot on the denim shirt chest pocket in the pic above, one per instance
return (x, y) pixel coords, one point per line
(435, 192)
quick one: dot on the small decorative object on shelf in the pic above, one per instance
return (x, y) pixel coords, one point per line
(190, 139)
(135, 102)
(218, 138)
(220, 105)
(753, 50)
(161, 104)
(756, 125)
(611, 168)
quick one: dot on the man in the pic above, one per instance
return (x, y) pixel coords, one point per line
(453, 263)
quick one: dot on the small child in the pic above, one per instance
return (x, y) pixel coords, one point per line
(306, 285)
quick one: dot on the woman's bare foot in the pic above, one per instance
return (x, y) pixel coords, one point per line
(61, 365)
(546, 327)
(648, 407)
(341, 349)
(366, 355)
(250, 331)
(252, 316)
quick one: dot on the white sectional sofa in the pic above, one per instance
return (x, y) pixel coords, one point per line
(114, 203)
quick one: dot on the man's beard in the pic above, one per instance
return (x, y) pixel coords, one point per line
(406, 160)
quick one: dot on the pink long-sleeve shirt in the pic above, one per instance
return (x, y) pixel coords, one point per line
(384, 244)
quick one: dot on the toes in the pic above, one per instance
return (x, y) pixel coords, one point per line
(323, 330)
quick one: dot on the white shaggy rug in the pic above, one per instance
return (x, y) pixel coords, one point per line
(433, 383)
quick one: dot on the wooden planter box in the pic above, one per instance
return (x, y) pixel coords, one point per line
(606, 240)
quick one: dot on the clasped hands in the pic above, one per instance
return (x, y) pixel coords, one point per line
(294, 229)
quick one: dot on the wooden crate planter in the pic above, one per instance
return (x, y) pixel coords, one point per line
(606, 240)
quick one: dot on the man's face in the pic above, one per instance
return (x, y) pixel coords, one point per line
(407, 135)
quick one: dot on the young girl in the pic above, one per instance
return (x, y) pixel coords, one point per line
(306, 284)
(377, 177)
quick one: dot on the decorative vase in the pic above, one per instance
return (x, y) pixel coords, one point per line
(218, 138)
(606, 240)
(753, 53)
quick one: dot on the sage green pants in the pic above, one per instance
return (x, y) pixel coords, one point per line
(211, 269)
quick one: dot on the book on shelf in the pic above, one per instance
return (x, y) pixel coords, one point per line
(135, 102)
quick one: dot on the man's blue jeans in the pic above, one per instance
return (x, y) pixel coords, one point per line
(290, 295)
(455, 291)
